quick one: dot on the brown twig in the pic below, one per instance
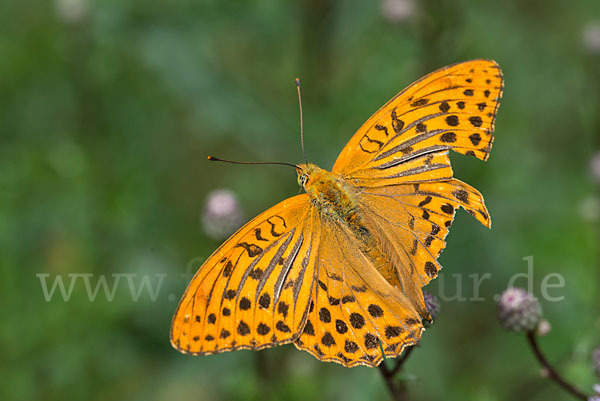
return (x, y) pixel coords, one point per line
(396, 391)
(396, 388)
(552, 373)
(400, 361)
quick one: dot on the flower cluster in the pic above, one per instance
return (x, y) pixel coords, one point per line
(518, 310)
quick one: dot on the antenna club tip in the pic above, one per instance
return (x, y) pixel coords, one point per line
(210, 158)
(297, 81)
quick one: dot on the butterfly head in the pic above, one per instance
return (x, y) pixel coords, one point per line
(306, 175)
(318, 183)
(302, 170)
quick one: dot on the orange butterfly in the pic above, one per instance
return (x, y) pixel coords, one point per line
(338, 271)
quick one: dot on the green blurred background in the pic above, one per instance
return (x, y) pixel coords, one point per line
(109, 108)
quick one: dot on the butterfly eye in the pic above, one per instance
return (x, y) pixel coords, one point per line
(302, 179)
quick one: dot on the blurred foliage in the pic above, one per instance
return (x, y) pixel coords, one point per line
(108, 110)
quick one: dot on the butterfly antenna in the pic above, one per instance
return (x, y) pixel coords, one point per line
(301, 122)
(216, 159)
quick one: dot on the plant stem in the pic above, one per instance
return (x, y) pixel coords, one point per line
(552, 373)
(400, 361)
(397, 393)
(397, 390)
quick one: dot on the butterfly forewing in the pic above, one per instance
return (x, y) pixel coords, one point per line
(428, 167)
(254, 291)
(355, 313)
(452, 108)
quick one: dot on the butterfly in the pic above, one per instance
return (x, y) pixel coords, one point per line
(338, 270)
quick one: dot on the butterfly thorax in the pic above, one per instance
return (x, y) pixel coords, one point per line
(332, 196)
(337, 202)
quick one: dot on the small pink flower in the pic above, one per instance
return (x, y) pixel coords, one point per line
(398, 11)
(222, 214)
(596, 364)
(433, 304)
(595, 167)
(591, 37)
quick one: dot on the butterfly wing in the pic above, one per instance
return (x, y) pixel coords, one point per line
(254, 291)
(399, 161)
(413, 220)
(451, 108)
(355, 312)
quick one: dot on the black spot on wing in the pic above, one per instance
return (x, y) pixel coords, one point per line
(419, 102)
(382, 128)
(256, 274)
(452, 120)
(265, 300)
(228, 269)
(263, 329)
(283, 308)
(461, 195)
(245, 303)
(273, 232)
(281, 326)
(357, 320)
(475, 121)
(448, 137)
(309, 328)
(257, 234)
(375, 310)
(341, 326)
(327, 340)
(243, 329)
(362, 288)
(253, 250)
(371, 341)
(392, 331)
(348, 298)
(396, 123)
(425, 201)
(447, 208)
(430, 269)
(324, 315)
(475, 139)
(350, 347)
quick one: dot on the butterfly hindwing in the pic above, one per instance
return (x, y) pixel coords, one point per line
(415, 219)
(451, 108)
(355, 313)
(254, 291)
